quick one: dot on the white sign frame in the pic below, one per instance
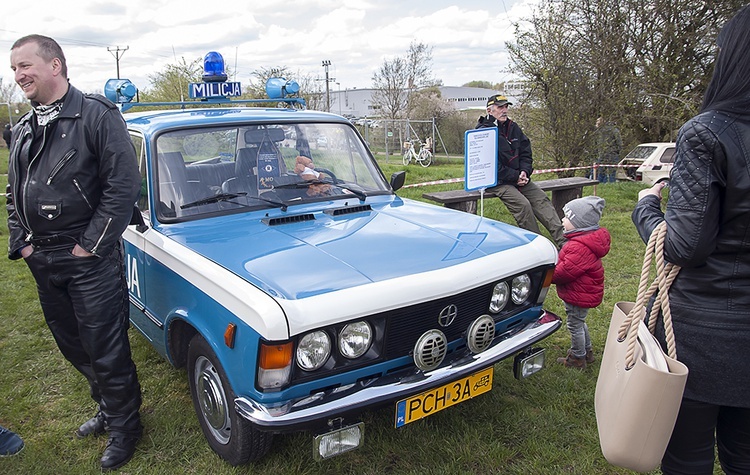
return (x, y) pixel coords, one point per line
(480, 161)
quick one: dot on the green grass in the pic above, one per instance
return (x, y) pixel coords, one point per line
(542, 425)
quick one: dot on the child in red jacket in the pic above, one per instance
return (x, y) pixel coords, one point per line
(579, 274)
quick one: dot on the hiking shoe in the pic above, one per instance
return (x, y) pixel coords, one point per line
(571, 361)
(590, 358)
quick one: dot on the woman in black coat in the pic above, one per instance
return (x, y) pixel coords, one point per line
(708, 234)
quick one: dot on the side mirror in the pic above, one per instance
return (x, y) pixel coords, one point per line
(397, 180)
(137, 219)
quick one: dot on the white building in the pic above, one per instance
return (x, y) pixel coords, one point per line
(358, 102)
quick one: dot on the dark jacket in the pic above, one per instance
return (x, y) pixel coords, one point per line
(708, 234)
(579, 274)
(83, 182)
(7, 135)
(608, 144)
(513, 150)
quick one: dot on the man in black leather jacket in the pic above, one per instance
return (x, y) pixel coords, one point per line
(523, 198)
(72, 183)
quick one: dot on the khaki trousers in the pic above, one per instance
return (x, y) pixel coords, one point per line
(527, 204)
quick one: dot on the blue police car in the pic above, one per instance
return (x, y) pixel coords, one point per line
(299, 290)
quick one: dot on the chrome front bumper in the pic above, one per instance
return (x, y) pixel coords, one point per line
(318, 408)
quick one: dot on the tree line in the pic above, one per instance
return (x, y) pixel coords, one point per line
(642, 65)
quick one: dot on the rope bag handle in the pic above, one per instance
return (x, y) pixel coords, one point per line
(665, 275)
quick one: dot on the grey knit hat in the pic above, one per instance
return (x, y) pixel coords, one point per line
(584, 212)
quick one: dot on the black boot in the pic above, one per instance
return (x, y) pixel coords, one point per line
(94, 426)
(118, 452)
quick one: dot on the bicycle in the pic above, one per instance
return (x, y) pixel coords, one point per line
(423, 157)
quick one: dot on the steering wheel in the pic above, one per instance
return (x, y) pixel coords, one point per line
(329, 173)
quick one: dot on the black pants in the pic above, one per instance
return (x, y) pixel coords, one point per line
(85, 304)
(699, 428)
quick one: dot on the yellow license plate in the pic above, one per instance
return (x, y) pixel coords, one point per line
(435, 400)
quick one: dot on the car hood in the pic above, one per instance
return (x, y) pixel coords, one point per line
(309, 252)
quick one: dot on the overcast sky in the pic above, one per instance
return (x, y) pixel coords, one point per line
(468, 37)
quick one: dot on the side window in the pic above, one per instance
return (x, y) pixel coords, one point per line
(140, 150)
(667, 156)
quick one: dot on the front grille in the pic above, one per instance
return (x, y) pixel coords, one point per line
(406, 325)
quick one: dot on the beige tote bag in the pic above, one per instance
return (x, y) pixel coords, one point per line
(639, 389)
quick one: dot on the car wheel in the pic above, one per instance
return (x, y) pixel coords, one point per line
(232, 437)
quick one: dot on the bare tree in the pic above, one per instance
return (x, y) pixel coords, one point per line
(397, 79)
(419, 72)
(390, 83)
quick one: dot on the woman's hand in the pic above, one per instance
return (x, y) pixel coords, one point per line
(654, 190)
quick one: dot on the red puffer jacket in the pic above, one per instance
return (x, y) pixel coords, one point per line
(579, 274)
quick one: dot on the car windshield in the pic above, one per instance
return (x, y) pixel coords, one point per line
(208, 171)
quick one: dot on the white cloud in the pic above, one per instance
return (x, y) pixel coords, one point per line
(468, 39)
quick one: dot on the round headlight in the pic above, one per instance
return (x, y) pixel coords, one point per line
(355, 339)
(521, 288)
(499, 297)
(313, 350)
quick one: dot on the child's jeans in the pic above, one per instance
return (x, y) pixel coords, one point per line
(579, 332)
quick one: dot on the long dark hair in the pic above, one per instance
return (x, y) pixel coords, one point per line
(729, 89)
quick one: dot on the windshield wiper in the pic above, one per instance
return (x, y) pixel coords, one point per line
(361, 194)
(281, 204)
(213, 199)
(307, 183)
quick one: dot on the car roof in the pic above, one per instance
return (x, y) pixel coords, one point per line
(656, 144)
(154, 120)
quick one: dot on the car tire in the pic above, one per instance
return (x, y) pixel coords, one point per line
(232, 437)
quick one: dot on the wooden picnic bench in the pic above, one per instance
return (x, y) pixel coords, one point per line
(563, 190)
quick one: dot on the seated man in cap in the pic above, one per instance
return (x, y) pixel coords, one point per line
(523, 198)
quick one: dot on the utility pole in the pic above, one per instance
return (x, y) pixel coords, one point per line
(116, 53)
(327, 63)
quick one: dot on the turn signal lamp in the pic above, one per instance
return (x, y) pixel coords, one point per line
(279, 88)
(274, 365)
(545, 285)
(213, 68)
(119, 90)
(229, 335)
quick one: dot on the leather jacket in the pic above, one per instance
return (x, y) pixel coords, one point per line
(513, 150)
(708, 234)
(81, 184)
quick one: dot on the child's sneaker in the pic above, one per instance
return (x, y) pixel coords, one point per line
(590, 358)
(571, 361)
(10, 443)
